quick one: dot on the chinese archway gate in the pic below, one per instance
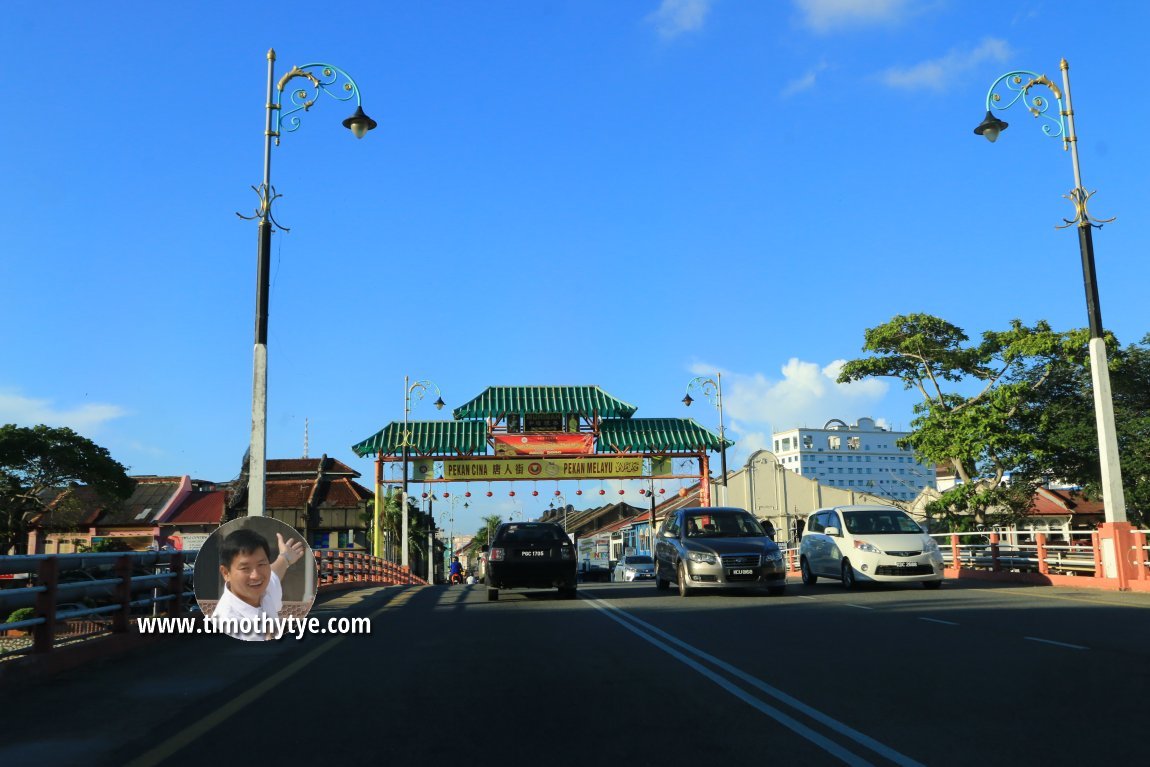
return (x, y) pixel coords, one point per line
(524, 433)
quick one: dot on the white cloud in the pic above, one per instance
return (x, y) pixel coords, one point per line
(25, 411)
(936, 73)
(829, 15)
(675, 17)
(804, 83)
(806, 394)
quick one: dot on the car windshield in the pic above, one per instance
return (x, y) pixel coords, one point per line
(879, 522)
(722, 524)
(639, 560)
(526, 533)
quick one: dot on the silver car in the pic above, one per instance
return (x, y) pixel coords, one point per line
(634, 567)
(701, 548)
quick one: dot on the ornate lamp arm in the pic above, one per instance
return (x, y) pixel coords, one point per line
(330, 80)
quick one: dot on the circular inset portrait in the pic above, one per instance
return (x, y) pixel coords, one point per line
(252, 575)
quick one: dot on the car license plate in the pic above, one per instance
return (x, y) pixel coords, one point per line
(532, 553)
(906, 564)
(742, 572)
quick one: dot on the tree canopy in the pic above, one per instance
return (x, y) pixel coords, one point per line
(975, 396)
(37, 459)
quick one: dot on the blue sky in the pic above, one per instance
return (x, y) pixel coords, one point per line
(625, 193)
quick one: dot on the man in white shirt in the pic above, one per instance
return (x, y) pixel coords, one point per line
(253, 591)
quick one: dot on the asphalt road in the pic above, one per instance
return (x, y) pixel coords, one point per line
(970, 674)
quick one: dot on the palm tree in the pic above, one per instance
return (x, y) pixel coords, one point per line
(486, 532)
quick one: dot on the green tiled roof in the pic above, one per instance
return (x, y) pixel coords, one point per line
(497, 401)
(655, 435)
(428, 438)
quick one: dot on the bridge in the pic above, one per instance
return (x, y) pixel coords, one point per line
(983, 671)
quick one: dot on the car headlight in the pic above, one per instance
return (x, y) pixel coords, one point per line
(931, 547)
(868, 547)
(774, 555)
(703, 557)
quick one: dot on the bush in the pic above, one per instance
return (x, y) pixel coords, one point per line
(23, 614)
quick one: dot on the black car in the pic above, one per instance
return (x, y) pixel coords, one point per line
(533, 555)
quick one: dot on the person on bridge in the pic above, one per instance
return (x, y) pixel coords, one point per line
(253, 588)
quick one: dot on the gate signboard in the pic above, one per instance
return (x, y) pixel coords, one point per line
(543, 468)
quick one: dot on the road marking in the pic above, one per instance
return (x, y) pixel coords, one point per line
(860, 607)
(810, 598)
(1059, 644)
(938, 620)
(189, 734)
(614, 613)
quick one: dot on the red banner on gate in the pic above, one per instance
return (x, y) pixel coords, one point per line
(542, 444)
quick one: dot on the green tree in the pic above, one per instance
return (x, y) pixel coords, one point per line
(35, 460)
(972, 397)
(485, 533)
(1062, 418)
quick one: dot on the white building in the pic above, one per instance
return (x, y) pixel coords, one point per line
(862, 457)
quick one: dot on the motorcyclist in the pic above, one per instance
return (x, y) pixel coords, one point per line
(456, 571)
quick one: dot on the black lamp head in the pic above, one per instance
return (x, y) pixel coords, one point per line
(990, 127)
(359, 123)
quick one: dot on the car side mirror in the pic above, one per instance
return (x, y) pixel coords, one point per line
(832, 531)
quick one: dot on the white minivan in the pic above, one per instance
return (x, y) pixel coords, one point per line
(868, 543)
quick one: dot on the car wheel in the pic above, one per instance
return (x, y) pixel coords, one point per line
(661, 584)
(809, 578)
(848, 576)
(493, 595)
(776, 591)
(684, 589)
(931, 584)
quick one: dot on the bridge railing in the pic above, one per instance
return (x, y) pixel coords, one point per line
(77, 596)
(1027, 553)
(340, 569)
(72, 596)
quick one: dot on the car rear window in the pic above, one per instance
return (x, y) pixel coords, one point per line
(524, 533)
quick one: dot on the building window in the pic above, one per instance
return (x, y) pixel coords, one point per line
(835, 443)
(853, 443)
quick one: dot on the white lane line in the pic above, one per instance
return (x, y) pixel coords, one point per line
(810, 598)
(864, 740)
(938, 620)
(1059, 644)
(860, 607)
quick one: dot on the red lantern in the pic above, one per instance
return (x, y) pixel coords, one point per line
(489, 493)
(556, 492)
(578, 492)
(425, 495)
(512, 493)
(620, 492)
(662, 490)
(602, 492)
(642, 491)
(447, 495)
(467, 494)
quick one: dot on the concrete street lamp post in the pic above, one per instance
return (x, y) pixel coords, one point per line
(416, 390)
(320, 79)
(1010, 89)
(712, 389)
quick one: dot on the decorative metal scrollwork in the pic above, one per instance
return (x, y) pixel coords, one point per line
(320, 79)
(1017, 87)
